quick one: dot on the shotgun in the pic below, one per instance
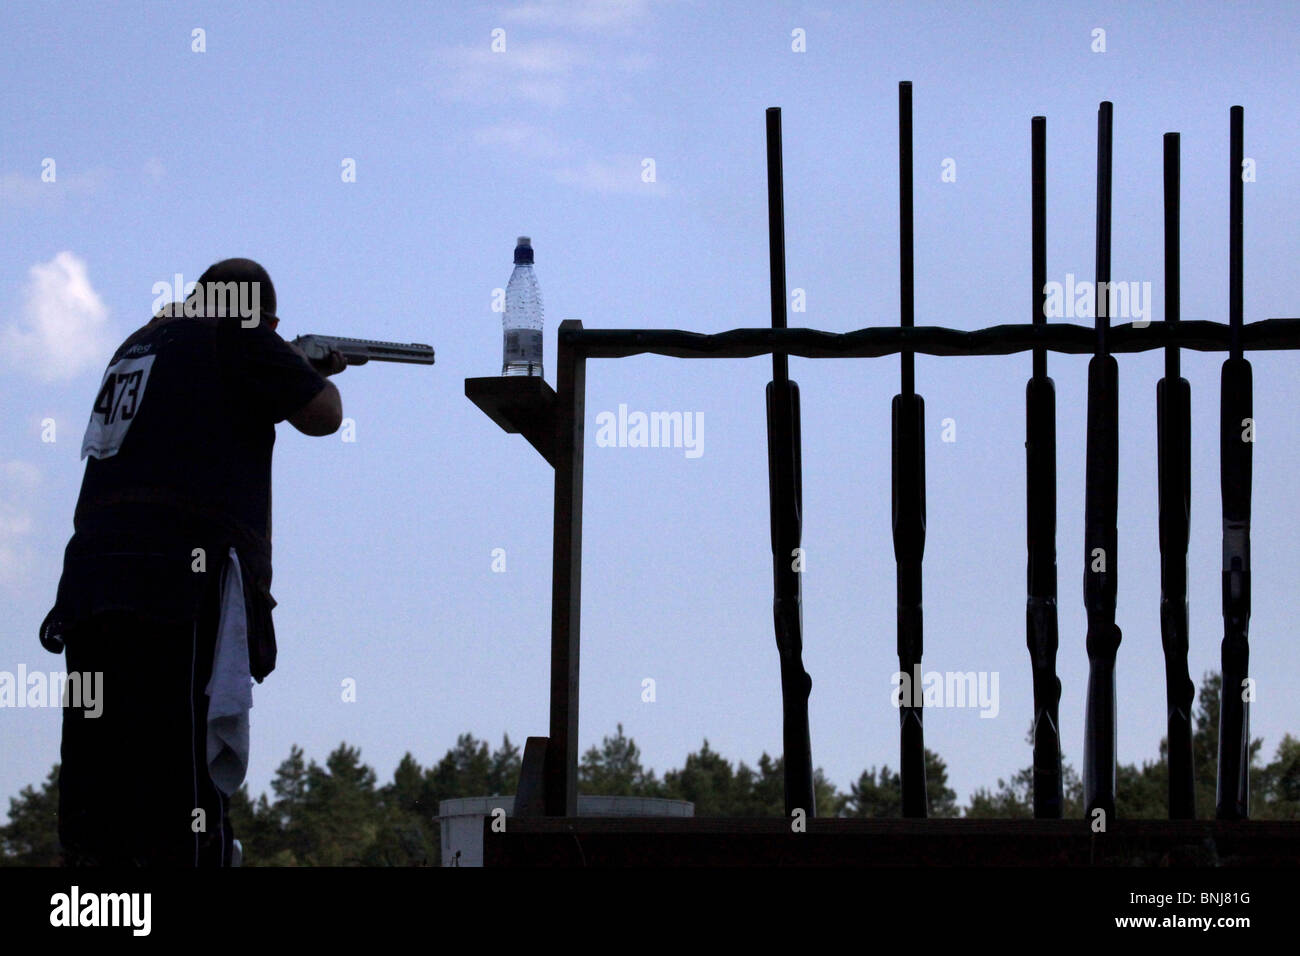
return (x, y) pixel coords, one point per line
(1235, 451)
(1040, 490)
(908, 491)
(361, 351)
(1101, 506)
(1174, 443)
(785, 496)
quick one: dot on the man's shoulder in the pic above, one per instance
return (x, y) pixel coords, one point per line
(163, 327)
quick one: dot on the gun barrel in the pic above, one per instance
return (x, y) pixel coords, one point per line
(360, 351)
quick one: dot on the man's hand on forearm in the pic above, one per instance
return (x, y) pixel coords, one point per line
(332, 364)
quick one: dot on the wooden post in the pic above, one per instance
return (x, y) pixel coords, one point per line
(566, 576)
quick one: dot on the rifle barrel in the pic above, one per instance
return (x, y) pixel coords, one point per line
(776, 235)
(1105, 115)
(1038, 152)
(907, 299)
(1235, 216)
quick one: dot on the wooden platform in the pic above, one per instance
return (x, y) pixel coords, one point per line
(657, 841)
(519, 404)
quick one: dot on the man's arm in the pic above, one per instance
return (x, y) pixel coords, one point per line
(324, 413)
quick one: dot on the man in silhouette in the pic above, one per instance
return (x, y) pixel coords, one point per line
(165, 590)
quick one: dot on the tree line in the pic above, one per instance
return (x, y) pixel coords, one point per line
(339, 815)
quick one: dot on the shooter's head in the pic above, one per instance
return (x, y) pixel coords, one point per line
(251, 284)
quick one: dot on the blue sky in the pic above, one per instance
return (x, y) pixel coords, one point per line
(168, 159)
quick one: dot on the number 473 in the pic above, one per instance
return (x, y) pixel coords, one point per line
(109, 402)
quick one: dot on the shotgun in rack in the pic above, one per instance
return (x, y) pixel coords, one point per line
(1040, 488)
(1235, 417)
(1100, 508)
(1174, 443)
(785, 495)
(908, 491)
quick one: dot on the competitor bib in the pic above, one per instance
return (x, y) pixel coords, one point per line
(116, 405)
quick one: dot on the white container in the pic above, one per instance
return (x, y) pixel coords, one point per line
(461, 820)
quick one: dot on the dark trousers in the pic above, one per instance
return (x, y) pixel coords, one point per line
(132, 779)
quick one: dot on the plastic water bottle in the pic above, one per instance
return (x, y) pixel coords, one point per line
(523, 319)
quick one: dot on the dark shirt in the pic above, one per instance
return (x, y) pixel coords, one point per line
(178, 471)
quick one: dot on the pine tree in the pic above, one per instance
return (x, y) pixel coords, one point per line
(31, 837)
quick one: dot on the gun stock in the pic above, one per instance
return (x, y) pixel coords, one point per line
(1233, 798)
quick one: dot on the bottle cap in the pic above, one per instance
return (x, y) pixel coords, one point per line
(524, 251)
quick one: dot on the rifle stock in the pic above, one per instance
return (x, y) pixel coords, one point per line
(1173, 411)
(785, 496)
(908, 501)
(1235, 403)
(1099, 578)
(1040, 610)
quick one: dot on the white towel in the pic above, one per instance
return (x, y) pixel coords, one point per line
(230, 691)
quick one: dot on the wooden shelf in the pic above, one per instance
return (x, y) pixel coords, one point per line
(520, 404)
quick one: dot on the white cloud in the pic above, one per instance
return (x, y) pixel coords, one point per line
(19, 191)
(63, 329)
(620, 175)
(536, 71)
(552, 72)
(18, 482)
(520, 138)
(545, 71)
(580, 14)
(22, 474)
